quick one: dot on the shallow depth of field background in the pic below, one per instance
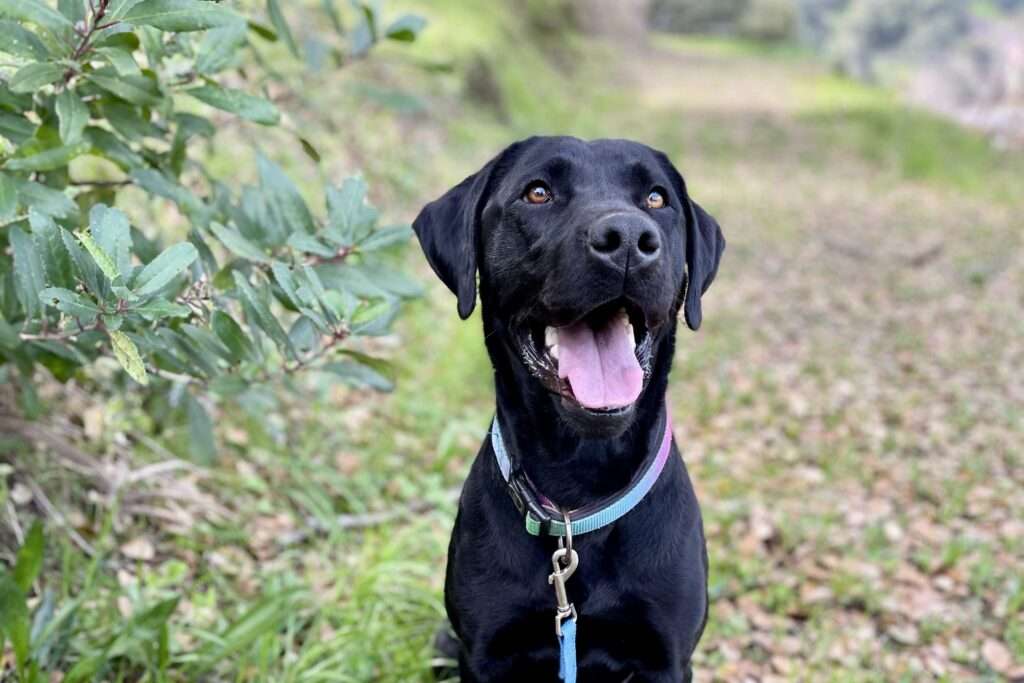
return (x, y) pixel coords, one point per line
(851, 411)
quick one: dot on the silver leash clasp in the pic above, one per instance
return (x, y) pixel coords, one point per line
(564, 561)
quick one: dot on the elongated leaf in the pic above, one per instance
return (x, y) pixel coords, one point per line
(73, 116)
(134, 89)
(349, 218)
(285, 200)
(113, 234)
(200, 431)
(118, 8)
(36, 12)
(49, 244)
(30, 558)
(279, 22)
(180, 15)
(31, 77)
(20, 42)
(233, 240)
(405, 28)
(311, 245)
(15, 128)
(100, 257)
(87, 270)
(260, 317)
(14, 617)
(50, 159)
(66, 301)
(231, 334)
(121, 59)
(219, 47)
(159, 309)
(386, 237)
(359, 375)
(47, 200)
(8, 196)
(168, 265)
(127, 355)
(252, 107)
(29, 276)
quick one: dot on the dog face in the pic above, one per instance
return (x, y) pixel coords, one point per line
(586, 251)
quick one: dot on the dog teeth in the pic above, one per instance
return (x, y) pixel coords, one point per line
(550, 337)
(553, 350)
(632, 337)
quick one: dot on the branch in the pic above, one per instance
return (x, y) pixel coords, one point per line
(366, 520)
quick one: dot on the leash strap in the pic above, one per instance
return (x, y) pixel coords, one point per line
(542, 517)
(567, 651)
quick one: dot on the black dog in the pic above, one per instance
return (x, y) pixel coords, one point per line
(586, 251)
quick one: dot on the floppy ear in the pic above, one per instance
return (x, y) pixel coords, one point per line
(447, 229)
(704, 246)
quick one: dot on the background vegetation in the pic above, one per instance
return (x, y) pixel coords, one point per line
(850, 412)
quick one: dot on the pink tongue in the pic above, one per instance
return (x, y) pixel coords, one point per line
(602, 369)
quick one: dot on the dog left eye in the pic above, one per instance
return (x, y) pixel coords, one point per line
(655, 199)
(537, 193)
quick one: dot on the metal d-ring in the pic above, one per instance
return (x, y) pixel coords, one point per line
(566, 540)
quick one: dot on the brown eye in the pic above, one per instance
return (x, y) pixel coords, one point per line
(537, 193)
(655, 200)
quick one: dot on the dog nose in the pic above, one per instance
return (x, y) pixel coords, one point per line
(625, 242)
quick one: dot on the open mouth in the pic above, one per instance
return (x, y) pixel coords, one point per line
(599, 362)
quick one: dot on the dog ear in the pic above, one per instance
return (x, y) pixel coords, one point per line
(704, 246)
(448, 228)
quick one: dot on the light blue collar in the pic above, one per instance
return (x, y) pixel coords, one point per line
(545, 518)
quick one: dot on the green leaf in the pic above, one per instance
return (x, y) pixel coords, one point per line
(118, 8)
(47, 237)
(100, 257)
(405, 28)
(73, 116)
(386, 237)
(180, 15)
(219, 46)
(29, 276)
(30, 558)
(127, 355)
(34, 76)
(134, 89)
(239, 245)
(285, 200)
(50, 159)
(159, 184)
(8, 196)
(251, 107)
(349, 218)
(279, 22)
(15, 128)
(159, 309)
(47, 200)
(14, 617)
(74, 10)
(259, 315)
(86, 267)
(109, 146)
(113, 234)
(121, 59)
(310, 245)
(168, 265)
(20, 42)
(200, 431)
(66, 301)
(231, 334)
(37, 13)
(359, 375)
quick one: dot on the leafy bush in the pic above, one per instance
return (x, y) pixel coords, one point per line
(98, 97)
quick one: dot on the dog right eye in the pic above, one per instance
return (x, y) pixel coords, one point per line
(537, 193)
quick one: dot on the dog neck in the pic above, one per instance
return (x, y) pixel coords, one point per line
(564, 465)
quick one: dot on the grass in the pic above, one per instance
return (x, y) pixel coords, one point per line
(844, 411)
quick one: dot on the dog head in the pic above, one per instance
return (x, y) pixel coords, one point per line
(586, 251)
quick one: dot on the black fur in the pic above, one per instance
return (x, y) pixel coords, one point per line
(641, 586)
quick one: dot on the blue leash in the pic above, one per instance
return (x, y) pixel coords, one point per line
(567, 651)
